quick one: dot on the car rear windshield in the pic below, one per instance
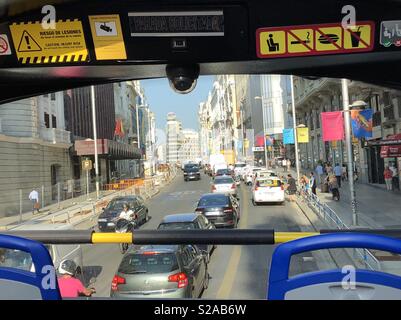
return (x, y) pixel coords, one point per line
(268, 183)
(178, 226)
(240, 165)
(224, 181)
(148, 263)
(213, 201)
(222, 171)
(192, 169)
(117, 204)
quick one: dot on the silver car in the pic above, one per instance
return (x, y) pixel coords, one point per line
(161, 271)
(224, 184)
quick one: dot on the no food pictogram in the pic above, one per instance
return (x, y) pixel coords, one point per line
(314, 40)
(4, 45)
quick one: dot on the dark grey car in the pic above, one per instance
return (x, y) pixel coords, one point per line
(161, 271)
(106, 220)
(188, 221)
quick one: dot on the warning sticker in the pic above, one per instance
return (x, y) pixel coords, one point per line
(4, 45)
(64, 44)
(107, 37)
(314, 40)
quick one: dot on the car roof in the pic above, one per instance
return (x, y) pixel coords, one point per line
(214, 195)
(152, 247)
(180, 217)
(224, 176)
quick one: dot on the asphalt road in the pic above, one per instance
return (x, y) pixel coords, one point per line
(237, 272)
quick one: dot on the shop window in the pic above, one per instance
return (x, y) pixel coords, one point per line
(47, 120)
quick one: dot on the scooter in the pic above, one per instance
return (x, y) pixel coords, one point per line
(124, 226)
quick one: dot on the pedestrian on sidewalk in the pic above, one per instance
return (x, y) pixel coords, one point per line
(291, 188)
(329, 169)
(345, 173)
(338, 172)
(388, 177)
(313, 183)
(304, 182)
(319, 173)
(333, 183)
(34, 197)
(284, 164)
(288, 165)
(394, 179)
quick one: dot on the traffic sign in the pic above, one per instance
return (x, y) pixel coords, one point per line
(87, 165)
(320, 39)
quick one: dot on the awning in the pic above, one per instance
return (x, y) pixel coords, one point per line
(390, 151)
(112, 149)
(392, 140)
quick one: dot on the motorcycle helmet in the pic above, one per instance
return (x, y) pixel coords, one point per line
(67, 267)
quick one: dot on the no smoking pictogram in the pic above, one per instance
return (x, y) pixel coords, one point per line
(4, 45)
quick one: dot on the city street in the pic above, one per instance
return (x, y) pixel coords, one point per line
(237, 272)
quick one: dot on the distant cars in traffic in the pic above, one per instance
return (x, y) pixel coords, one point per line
(223, 172)
(224, 184)
(107, 219)
(223, 210)
(188, 221)
(250, 175)
(161, 271)
(269, 189)
(192, 172)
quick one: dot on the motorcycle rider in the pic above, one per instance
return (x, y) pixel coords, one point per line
(127, 213)
(70, 286)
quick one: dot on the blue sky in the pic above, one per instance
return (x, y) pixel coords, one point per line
(162, 100)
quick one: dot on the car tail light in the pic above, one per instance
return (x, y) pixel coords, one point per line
(213, 187)
(228, 210)
(181, 279)
(149, 253)
(233, 186)
(116, 281)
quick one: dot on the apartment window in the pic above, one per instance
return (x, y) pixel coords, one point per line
(386, 98)
(374, 102)
(53, 96)
(54, 121)
(45, 95)
(47, 120)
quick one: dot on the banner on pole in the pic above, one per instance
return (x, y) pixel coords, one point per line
(332, 126)
(259, 141)
(288, 136)
(361, 121)
(303, 135)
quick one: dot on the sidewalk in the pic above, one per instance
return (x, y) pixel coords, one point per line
(376, 207)
(77, 211)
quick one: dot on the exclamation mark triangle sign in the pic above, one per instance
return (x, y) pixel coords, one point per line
(28, 43)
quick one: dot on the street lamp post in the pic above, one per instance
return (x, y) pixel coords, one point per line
(95, 140)
(294, 122)
(348, 142)
(263, 100)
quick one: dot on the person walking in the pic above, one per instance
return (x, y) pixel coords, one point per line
(338, 172)
(394, 179)
(284, 164)
(34, 197)
(312, 183)
(291, 188)
(288, 165)
(333, 183)
(319, 173)
(345, 173)
(388, 177)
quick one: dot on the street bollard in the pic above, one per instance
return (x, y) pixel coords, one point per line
(20, 205)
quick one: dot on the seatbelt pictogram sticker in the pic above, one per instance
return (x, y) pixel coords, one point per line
(35, 45)
(308, 40)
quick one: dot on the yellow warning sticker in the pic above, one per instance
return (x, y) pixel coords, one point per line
(358, 36)
(300, 40)
(272, 43)
(107, 37)
(64, 44)
(317, 39)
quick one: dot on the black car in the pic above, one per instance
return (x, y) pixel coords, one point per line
(188, 221)
(106, 220)
(192, 173)
(223, 210)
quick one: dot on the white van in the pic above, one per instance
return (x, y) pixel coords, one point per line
(58, 252)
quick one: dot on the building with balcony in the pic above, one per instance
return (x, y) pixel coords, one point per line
(34, 150)
(174, 138)
(321, 95)
(190, 148)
